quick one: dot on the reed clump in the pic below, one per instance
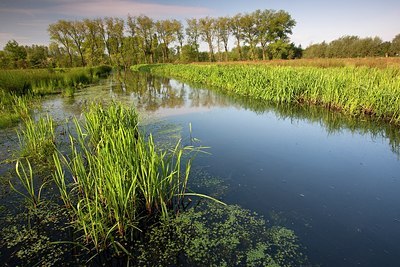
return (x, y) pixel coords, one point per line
(352, 90)
(116, 181)
(37, 138)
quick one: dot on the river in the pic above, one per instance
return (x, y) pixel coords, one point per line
(332, 179)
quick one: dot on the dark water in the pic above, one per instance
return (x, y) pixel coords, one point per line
(334, 180)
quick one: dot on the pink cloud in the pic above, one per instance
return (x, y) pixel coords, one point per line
(121, 8)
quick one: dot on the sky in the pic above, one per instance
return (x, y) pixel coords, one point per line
(26, 21)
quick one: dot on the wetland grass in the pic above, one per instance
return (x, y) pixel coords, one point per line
(352, 90)
(37, 138)
(13, 108)
(49, 81)
(119, 181)
(18, 88)
(26, 180)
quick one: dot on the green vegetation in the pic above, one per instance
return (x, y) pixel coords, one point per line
(141, 39)
(12, 108)
(19, 87)
(37, 138)
(354, 47)
(43, 81)
(120, 181)
(353, 90)
(27, 182)
(215, 235)
(127, 201)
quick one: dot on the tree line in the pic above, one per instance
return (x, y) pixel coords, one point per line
(262, 34)
(353, 47)
(259, 35)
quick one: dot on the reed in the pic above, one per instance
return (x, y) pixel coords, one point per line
(37, 138)
(116, 181)
(352, 90)
(26, 178)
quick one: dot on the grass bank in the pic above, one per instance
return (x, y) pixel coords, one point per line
(18, 87)
(47, 81)
(352, 90)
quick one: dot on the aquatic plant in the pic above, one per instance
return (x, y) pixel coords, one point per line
(352, 90)
(216, 235)
(37, 138)
(27, 182)
(29, 239)
(120, 181)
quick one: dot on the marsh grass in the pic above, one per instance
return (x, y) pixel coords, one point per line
(37, 138)
(25, 176)
(352, 90)
(120, 181)
(18, 88)
(49, 81)
(13, 108)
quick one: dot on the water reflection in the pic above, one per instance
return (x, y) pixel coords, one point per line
(163, 97)
(152, 93)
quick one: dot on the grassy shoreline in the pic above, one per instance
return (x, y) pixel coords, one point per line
(352, 90)
(18, 88)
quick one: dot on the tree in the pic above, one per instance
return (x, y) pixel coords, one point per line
(249, 25)
(59, 34)
(237, 31)
(207, 33)
(166, 34)
(114, 42)
(178, 30)
(395, 47)
(223, 32)
(37, 56)
(77, 32)
(93, 45)
(316, 50)
(16, 54)
(146, 32)
(280, 25)
(4, 60)
(264, 26)
(193, 35)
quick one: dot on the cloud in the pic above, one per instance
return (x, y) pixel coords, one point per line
(121, 8)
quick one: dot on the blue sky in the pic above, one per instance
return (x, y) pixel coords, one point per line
(26, 21)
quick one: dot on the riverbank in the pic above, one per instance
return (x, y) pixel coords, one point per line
(352, 90)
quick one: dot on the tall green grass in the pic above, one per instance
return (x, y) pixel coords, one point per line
(47, 81)
(353, 90)
(13, 108)
(18, 88)
(30, 192)
(116, 181)
(37, 138)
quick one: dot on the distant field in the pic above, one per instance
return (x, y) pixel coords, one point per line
(381, 62)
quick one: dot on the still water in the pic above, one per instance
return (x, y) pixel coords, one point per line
(334, 180)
